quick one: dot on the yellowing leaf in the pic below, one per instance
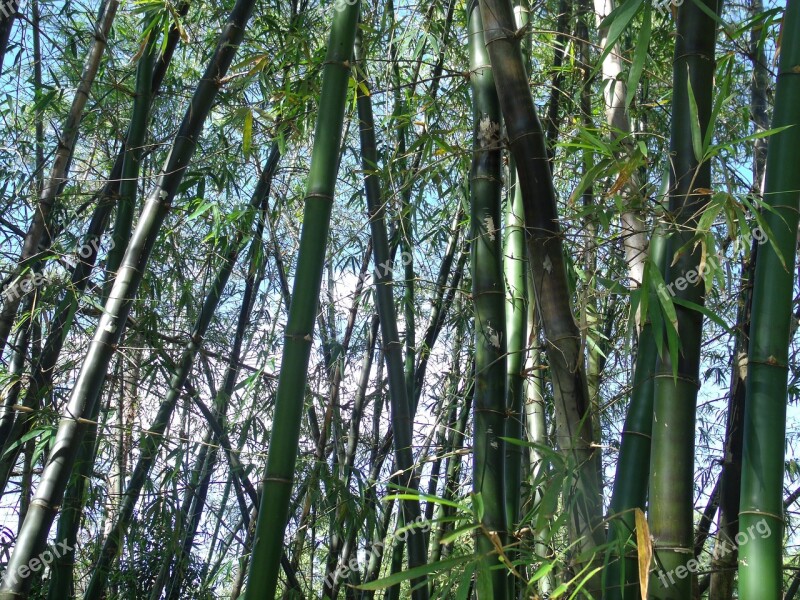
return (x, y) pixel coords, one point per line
(644, 548)
(247, 134)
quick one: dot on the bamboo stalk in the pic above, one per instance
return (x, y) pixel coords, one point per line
(671, 493)
(546, 262)
(284, 439)
(761, 508)
(488, 292)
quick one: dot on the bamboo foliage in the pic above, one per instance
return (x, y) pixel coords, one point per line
(34, 531)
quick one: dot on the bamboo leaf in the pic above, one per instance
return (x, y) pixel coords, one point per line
(706, 312)
(247, 133)
(644, 549)
(640, 55)
(697, 135)
(457, 533)
(414, 573)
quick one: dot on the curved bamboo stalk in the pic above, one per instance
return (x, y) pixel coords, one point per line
(546, 262)
(615, 90)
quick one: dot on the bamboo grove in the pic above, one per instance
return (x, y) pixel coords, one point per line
(381, 300)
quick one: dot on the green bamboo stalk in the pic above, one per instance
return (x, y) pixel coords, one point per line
(633, 465)
(722, 581)
(515, 267)
(33, 534)
(399, 387)
(488, 292)
(671, 493)
(761, 508)
(546, 262)
(536, 431)
(134, 152)
(289, 402)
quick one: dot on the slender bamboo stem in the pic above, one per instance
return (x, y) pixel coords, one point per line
(284, 440)
(399, 389)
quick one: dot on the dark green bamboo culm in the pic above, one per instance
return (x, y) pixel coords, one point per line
(33, 534)
(671, 493)
(761, 505)
(399, 392)
(488, 291)
(299, 334)
(552, 291)
(633, 465)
